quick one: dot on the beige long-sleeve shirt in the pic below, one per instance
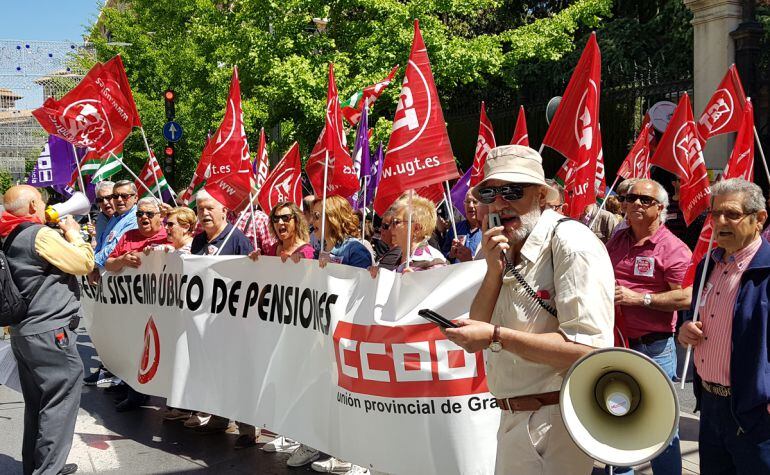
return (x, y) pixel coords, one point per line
(70, 254)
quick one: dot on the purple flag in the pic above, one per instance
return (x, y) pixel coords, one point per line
(362, 159)
(54, 165)
(375, 173)
(459, 191)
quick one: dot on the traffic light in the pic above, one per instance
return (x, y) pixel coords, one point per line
(170, 97)
(168, 161)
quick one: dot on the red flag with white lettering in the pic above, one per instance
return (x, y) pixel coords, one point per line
(679, 152)
(740, 165)
(419, 152)
(484, 144)
(331, 145)
(114, 74)
(637, 162)
(520, 135)
(262, 162)
(574, 130)
(93, 114)
(284, 183)
(724, 112)
(229, 180)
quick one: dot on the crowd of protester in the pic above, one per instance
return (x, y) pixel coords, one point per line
(640, 225)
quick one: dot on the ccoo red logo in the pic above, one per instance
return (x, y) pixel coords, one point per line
(150, 353)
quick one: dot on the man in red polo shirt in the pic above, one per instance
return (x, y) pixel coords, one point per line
(650, 264)
(150, 231)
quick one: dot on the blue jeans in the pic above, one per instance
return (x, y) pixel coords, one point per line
(722, 451)
(669, 461)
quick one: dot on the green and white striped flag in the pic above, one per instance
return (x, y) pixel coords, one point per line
(111, 166)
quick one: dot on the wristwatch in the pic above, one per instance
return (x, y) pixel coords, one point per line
(495, 346)
(647, 300)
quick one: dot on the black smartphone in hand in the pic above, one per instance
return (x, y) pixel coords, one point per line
(434, 317)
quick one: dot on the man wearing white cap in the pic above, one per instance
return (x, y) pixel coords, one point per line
(545, 301)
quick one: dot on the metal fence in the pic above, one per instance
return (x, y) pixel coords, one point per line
(622, 108)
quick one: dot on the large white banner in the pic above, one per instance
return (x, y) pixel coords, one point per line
(329, 357)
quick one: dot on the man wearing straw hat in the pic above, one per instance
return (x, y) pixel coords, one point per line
(545, 301)
(732, 368)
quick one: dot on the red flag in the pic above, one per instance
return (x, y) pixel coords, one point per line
(740, 165)
(679, 152)
(575, 123)
(419, 152)
(115, 75)
(152, 176)
(520, 135)
(229, 181)
(342, 178)
(284, 183)
(574, 130)
(600, 177)
(351, 109)
(92, 115)
(637, 162)
(484, 144)
(568, 177)
(262, 162)
(724, 111)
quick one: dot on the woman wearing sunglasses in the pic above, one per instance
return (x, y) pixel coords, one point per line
(180, 229)
(149, 232)
(342, 230)
(289, 228)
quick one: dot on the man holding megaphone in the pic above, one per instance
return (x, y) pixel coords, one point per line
(545, 301)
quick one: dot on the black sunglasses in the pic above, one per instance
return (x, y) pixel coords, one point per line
(101, 199)
(512, 192)
(385, 226)
(282, 217)
(645, 200)
(149, 214)
(123, 196)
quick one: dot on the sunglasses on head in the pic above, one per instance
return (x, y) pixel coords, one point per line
(123, 196)
(282, 217)
(644, 199)
(511, 192)
(149, 214)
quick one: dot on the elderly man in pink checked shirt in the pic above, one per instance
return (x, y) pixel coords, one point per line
(650, 264)
(731, 338)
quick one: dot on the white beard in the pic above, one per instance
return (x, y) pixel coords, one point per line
(528, 222)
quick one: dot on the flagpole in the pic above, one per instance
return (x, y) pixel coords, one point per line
(237, 222)
(606, 195)
(762, 154)
(540, 151)
(253, 220)
(80, 177)
(323, 204)
(450, 207)
(131, 172)
(363, 221)
(409, 231)
(697, 302)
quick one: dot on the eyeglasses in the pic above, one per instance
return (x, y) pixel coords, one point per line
(282, 217)
(385, 226)
(621, 198)
(149, 214)
(123, 196)
(729, 214)
(103, 199)
(395, 222)
(645, 200)
(512, 192)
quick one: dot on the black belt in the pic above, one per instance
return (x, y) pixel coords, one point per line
(717, 389)
(650, 338)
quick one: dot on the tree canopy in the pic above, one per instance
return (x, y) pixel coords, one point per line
(192, 45)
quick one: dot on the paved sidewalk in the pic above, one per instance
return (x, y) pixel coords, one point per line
(140, 442)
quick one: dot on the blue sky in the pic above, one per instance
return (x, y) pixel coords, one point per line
(47, 19)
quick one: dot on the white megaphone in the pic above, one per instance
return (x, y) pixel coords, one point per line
(78, 204)
(619, 407)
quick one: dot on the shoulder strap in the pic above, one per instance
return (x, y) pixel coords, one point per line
(16, 231)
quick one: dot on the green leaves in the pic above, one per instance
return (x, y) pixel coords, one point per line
(192, 45)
